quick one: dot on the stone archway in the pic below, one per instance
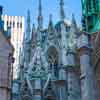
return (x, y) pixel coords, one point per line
(53, 59)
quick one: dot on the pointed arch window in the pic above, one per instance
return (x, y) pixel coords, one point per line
(52, 56)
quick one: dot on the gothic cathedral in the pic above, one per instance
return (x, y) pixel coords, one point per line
(55, 63)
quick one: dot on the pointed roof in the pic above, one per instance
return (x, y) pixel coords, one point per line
(33, 36)
(33, 31)
(72, 36)
(62, 13)
(28, 28)
(40, 17)
(28, 21)
(50, 26)
(74, 25)
(33, 28)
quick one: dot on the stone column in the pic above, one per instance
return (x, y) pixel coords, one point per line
(87, 80)
(37, 90)
(62, 71)
(73, 80)
(62, 84)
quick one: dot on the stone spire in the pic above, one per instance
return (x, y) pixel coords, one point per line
(40, 24)
(33, 28)
(72, 36)
(74, 25)
(28, 21)
(27, 42)
(50, 26)
(33, 36)
(62, 13)
(40, 17)
(28, 27)
(33, 31)
(38, 62)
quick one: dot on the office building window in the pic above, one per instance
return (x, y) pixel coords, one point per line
(17, 24)
(20, 25)
(13, 24)
(7, 23)
(10, 23)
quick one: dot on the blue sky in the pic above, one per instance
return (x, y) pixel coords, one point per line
(20, 7)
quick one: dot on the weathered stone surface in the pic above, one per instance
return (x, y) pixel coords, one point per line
(96, 62)
(74, 87)
(86, 78)
(5, 68)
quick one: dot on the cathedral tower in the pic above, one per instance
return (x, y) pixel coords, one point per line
(52, 71)
(87, 80)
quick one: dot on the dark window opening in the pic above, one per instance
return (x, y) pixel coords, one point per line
(7, 23)
(17, 24)
(13, 24)
(10, 23)
(20, 25)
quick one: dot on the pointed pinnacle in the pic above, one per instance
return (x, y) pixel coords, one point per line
(40, 7)
(28, 27)
(33, 28)
(50, 27)
(28, 21)
(40, 17)
(62, 13)
(28, 15)
(74, 21)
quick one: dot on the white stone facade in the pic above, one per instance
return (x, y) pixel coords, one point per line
(17, 24)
